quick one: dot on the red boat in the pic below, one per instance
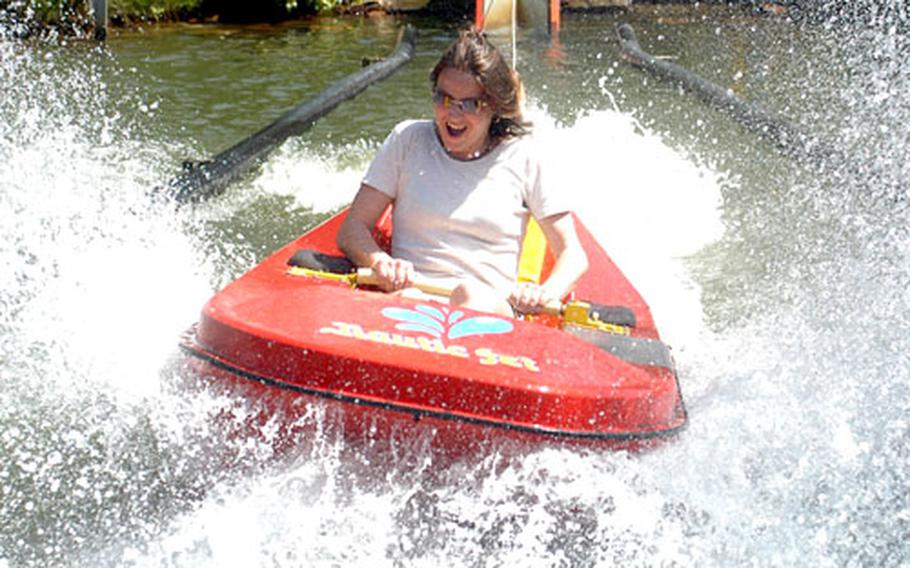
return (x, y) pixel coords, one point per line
(296, 329)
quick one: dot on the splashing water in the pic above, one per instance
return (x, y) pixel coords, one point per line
(796, 453)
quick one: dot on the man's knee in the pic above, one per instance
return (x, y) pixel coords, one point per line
(480, 297)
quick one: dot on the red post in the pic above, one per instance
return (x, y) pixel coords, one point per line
(554, 16)
(478, 14)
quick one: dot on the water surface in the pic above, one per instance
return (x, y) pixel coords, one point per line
(780, 283)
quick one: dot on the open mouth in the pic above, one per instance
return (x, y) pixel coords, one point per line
(455, 131)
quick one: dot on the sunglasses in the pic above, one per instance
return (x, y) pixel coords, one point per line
(470, 106)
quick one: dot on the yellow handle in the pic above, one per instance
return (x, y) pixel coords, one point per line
(574, 312)
(366, 276)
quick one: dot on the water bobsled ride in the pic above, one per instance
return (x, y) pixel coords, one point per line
(304, 325)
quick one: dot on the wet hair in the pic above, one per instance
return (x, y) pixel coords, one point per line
(474, 54)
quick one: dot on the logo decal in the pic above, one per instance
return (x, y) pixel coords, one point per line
(442, 322)
(439, 327)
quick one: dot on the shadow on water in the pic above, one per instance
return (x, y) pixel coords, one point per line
(247, 234)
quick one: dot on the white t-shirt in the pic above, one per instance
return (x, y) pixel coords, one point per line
(457, 220)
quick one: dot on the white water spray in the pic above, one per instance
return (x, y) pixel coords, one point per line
(796, 453)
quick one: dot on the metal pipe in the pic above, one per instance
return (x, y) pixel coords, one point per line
(777, 129)
(210, 178)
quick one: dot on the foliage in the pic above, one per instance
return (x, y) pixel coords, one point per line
(74, 16)
(265, 10)
(27, 17)
(50, 11)
(151, 9)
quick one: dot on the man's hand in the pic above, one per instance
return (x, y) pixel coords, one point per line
(529, 298)
(393, 273)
